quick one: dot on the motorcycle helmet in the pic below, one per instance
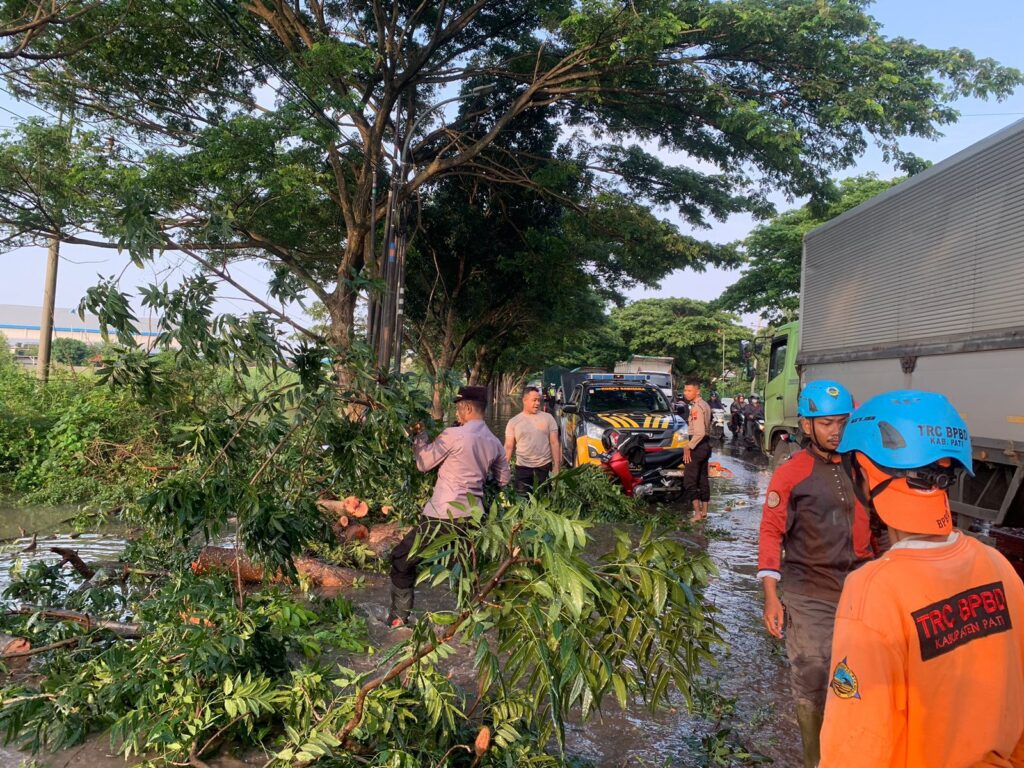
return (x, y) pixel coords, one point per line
(824, 398)
(908, 444)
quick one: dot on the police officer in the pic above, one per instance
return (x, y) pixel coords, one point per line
(464, 456)
(697, 454)
(812, 512)
(928, 653)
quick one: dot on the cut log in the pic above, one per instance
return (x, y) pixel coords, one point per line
(13, 645)
(378, 538)
(383, 537)
(320, 573)
(326, 575)
(356, 532)
(356, 507)
(225, 559)
(331, 506)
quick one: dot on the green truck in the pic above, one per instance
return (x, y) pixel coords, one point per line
(921, 288)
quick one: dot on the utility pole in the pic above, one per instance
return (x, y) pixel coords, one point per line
(46, 323)
(722, 331)
(49, 293)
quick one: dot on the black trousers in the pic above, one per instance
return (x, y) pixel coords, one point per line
(404, 566)
(528, 478)
(696, 486)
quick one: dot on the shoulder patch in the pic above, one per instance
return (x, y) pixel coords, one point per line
(948, 624)
(773, 499)
(844, 682)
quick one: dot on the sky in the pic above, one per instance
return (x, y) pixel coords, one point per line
(988, 28)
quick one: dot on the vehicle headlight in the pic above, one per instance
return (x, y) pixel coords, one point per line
(680, 438)
(594, 431)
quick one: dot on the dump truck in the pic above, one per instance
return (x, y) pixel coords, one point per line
(921, 287)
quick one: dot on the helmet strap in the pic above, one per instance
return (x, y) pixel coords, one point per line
(828, 452)
(854, 470)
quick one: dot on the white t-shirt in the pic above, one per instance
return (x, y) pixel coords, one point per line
(531, 433)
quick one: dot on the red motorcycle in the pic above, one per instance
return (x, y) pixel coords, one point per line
(653, 473)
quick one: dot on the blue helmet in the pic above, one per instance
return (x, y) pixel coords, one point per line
(824, 398)
(908, 429)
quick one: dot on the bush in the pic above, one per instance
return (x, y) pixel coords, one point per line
(70, 351)
(72, 442)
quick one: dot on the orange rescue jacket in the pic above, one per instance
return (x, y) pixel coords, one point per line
(928, 661)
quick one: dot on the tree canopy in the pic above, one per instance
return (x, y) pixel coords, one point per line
(691, 331)
(270, 130)
(770, 283)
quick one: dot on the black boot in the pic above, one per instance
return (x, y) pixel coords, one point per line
(401, 605)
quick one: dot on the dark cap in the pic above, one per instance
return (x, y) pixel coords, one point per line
(476, 394)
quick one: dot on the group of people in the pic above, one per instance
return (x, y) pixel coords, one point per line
(904, 635)
(743, 415)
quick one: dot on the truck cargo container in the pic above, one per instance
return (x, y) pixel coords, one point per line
(921, 287)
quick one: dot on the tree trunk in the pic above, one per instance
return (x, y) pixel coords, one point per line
(10, 645)
(436, 407)
(225, 559)
(478, 364)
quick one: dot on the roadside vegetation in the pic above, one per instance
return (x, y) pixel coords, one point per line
(226, 446)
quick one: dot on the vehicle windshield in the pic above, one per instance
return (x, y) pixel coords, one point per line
(605, 399)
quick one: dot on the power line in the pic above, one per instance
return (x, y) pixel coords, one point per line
(254, 46)
(121, 140)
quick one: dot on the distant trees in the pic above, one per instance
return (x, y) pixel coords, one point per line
(70, 351)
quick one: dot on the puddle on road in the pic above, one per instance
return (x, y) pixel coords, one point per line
(752, 670)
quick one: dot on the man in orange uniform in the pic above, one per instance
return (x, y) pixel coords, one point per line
(811, 512)
(928, 650)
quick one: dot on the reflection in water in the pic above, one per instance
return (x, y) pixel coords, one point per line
(752, 670)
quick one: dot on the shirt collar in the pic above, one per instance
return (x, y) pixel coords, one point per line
(916, 543)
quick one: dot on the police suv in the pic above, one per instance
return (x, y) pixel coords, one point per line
(603, 407)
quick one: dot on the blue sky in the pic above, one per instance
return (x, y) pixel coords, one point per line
(987, 27)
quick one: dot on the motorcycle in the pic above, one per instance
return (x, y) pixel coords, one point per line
(753, 432)
(642, 472)
(718, 422)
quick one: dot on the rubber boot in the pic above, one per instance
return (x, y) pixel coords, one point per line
(809, 719)
(401, 605)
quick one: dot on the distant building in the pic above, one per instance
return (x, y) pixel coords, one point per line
(20, 325)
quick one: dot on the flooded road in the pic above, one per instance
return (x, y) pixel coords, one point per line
(741, 705)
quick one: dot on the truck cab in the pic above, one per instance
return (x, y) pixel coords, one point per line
(782, 388)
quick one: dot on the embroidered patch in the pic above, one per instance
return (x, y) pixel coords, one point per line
(948, 624)
(773, 499)
(844, 682)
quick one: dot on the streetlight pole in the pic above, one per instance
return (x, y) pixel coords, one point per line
(395, 240)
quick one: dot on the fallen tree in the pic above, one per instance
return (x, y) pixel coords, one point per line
(243, 568)
(124, 629)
